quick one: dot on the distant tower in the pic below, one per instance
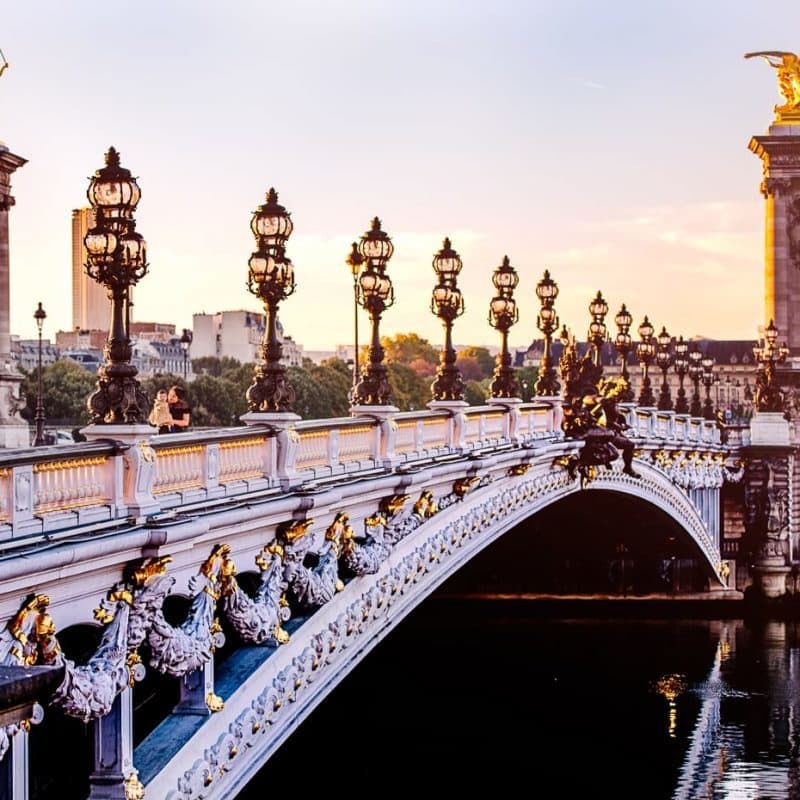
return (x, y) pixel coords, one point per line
(779, 151)
(90, 304)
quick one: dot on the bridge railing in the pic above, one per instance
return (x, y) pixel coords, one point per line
(55, 488)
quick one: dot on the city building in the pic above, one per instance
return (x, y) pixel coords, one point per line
(238, 334)
(25, 353)
(81, 339)
(153, 331)
(90, 305)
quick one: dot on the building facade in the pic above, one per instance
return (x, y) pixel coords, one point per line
(91, 308)
(237, 334)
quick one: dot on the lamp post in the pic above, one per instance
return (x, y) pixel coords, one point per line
(503, 313)
(354, 261)
(768, 396)
(598, 309)
(547, 322)
(695, 374)
(708, 379)
(116, 258)
(271, 279)
(375, 295)
(664, 361)
(39, 315)
(645, 352)
(447, 304)
(681, 364)
(186, 343)
(624, 344)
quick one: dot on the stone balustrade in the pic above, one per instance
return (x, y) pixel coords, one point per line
(56, 488)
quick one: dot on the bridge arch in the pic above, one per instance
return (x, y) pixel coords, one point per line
(261, 711)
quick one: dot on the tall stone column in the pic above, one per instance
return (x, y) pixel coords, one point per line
(14, 430)
(779, 152)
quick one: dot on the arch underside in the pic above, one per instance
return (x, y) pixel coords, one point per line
(268, 704)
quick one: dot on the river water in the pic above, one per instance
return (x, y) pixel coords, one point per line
(476, 693)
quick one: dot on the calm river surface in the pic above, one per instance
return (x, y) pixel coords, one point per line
(470, 692)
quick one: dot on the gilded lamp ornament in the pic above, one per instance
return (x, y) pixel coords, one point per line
(375, 295)
(271, 279)
(447, 303)
(503, 313)
(547, 322)
(645, 352)
(623, 343)
(769, 354)
(116, 258)
(663, 362)
(598, 309)
(681, 364)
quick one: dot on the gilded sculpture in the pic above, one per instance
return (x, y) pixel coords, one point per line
(788, 66)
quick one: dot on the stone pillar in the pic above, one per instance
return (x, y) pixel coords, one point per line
(385, 416)
(779, 151)
(286, 441)
(114, 777)
(769, 513)
(14, 431)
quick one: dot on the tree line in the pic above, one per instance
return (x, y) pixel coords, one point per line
(217, 394)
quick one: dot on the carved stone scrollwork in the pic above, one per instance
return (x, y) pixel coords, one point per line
(776, 186)
(361, 555)
(767, 504)
(311, 584)
(88, 691)
(258, 620)
(178, 651)
(793, 230)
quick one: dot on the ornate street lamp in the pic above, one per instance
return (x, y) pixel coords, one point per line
(645, 352)
(708, 379)
(547, 322)
(39, 315)
(447, 304)
(186, 343)
(624, 344)
(271, 279)
(695, 374)
(503, 313)
(598, 309)
(681, 364)
(664, 360)
(354, 261)
(375, 294)
(116, 258)
(768, 395)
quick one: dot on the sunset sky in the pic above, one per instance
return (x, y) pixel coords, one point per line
(604, 141)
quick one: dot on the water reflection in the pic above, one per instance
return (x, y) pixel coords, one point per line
(660, 709)
(744, 744)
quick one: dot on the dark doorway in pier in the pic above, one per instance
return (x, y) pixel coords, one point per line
(590, 543)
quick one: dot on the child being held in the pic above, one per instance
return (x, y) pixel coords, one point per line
(160, 416)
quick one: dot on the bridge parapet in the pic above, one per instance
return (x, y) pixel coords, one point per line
(49, 489)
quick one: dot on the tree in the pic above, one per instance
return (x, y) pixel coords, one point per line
(410, 392)
(65, 388)
(484, 358)
(423, 368)
(475, 393)
(406, 347)
(470, 368)
(212, 365)
(215, 402)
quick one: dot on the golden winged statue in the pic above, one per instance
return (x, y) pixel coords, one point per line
(788, 66)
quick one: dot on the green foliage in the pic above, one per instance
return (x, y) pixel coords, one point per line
(65, 388)
(527, 375)
(407, 347)
(215, 402)
(410, 392)
(211, 365)
(485, 359)
(476, 392)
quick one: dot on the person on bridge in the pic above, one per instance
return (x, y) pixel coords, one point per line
(179, 409)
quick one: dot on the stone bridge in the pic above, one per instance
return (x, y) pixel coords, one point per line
(135, 562)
